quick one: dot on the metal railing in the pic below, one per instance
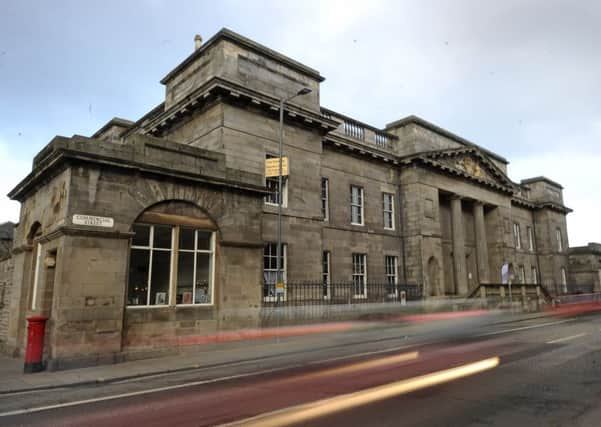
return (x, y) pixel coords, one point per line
(581, 298)
(503, 288)
(317, 293)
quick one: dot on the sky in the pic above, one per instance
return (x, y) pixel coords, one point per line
(521, 78)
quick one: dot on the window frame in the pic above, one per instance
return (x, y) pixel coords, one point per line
(325, 198)
(284, 189)
(36, 275)
(534, 275)
(394, 275)
(284, 254)
(359, 204)
(530, 233)
(151, 249)
(517, 236)
(559, 239)
(388, 213)
(173, 270)
(522, 273)
(359, 273)
(326, 273)
(196, 251)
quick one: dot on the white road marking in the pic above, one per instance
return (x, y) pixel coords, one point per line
(523, 328)
(571, 337)
(367, 353)
(191, 384)
(244, 375)
(138, 393)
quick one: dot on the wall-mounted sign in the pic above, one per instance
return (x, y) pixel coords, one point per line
(94, 221)
(272, 167)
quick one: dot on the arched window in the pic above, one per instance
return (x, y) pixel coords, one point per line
(35, 231)
(172, 259)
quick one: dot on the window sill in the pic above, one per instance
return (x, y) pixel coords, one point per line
(137, 307)
(357, 224)
(198, 304)
(274, 299)
(275, 205)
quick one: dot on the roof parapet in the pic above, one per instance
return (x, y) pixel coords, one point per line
(437, 129)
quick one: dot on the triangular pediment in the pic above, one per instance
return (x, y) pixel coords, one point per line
(469, 163)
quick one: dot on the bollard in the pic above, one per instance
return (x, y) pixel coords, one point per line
(35, 344)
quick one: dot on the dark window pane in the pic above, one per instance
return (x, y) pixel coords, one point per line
(203, 279)
(185, 278)
(186, 238)
(162, 236)
(138, 277)
(142, 235)
(204, 240)
(161, 267)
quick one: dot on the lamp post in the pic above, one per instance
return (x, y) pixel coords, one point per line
(279, 280)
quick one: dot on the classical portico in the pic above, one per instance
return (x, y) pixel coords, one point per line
(467, 200)
(460, 268)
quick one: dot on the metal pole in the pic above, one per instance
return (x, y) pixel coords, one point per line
(279, 244)
(279, 278)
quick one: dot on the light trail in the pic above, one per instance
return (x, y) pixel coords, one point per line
(356, 367)
(320, 408)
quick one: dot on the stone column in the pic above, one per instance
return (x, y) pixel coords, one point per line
(481, 243)
(458, 246)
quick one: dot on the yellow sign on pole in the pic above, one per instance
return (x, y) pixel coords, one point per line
(272, 167)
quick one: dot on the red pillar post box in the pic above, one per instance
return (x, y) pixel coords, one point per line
(36, 325)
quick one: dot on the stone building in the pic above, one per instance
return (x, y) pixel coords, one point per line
(152, 232)
(6, 271)
(585, 268)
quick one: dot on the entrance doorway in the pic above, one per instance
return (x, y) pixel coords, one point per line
(434, 277)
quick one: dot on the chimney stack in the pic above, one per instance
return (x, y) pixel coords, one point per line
(197, 42)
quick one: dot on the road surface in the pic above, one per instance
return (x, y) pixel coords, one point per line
(545, 371)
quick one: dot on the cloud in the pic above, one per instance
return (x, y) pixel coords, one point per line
(12, 171)
(519, 78)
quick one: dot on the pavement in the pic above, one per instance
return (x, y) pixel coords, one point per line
(236, 347)
(217, 350)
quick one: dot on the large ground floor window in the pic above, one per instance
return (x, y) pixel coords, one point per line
(270, 269)
(170, 265)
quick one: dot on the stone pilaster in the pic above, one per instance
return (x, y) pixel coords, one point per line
(481, 243)
(458, 246)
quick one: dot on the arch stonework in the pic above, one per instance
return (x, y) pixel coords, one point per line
(146, 193)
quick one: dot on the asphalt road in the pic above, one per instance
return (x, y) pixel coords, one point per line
(545, 372)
